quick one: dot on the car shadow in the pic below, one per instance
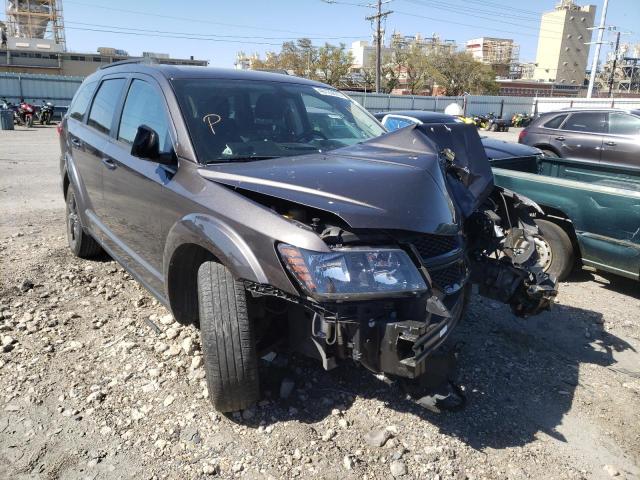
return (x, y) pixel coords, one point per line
(519, 378)
(608, 281)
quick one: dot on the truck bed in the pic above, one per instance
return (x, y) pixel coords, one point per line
(601, 201)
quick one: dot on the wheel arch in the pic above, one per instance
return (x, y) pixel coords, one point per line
(561, 219)
(546, 146)
(196, 239)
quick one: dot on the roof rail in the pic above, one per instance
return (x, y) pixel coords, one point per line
(144, 60)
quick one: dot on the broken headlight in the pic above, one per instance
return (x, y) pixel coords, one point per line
(352, 272)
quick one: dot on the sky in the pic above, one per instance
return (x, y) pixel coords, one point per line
(215, 30)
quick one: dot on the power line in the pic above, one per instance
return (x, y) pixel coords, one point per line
(173, 17)
(475, 13)
(206, 35)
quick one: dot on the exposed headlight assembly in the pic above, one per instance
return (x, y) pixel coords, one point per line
(353, 272)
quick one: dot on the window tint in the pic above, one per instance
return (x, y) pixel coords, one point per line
(104, 104)
(593, 122)
(394, 123)
(555, 122)
(144, 106)
(624, 124)
(81, 100)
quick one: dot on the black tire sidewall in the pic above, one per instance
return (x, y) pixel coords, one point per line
(74, 244)
(228, 339)
(562, 254)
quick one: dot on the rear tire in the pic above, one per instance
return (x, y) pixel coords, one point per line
(555, 249)
(81, 243)
(228, 339)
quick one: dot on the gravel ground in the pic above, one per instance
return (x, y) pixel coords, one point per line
(96, 381)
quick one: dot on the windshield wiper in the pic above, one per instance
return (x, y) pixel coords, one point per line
(248, 158)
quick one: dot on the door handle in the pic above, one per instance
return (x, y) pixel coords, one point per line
(76, 142)
(561, 139)
(611, 144)
(109, 163)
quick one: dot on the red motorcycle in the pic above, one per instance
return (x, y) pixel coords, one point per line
(24, 114)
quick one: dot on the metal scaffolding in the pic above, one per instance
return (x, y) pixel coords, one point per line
(625, 77)
(36, 19)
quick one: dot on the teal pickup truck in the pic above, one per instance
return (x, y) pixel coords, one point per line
(592, 211)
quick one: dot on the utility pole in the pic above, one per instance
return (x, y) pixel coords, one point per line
(377, 18)
(596, 56)
(613, 67)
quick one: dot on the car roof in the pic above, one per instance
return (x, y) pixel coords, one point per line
(422, 115)
(594, 109)
(191, 71)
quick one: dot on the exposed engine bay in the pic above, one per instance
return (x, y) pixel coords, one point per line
(402, 258)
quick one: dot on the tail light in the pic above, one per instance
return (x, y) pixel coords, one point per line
(522, 136)
(59, 128)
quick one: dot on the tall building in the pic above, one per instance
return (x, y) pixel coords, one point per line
(501, 53)
(562, 53)
(429, 45)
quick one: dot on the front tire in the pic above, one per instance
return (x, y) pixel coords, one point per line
(228, 339)
(29, 121)
(554, 249)
(81, 243)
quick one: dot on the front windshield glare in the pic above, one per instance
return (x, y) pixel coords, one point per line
(244, 119)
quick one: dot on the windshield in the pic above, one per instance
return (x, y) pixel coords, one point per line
(248, 120)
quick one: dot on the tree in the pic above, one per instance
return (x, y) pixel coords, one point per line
(333, 63)
(329, 63)
(459, 73)
(411, 63)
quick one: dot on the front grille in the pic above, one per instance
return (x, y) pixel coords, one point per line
(430, 246)
(448, 276)
(447, 273)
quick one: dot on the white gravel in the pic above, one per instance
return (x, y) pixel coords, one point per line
(89, 389)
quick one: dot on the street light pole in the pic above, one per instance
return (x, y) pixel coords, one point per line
(596, 56)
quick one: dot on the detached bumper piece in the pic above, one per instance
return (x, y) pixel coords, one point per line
(406, 346)
(528, 291)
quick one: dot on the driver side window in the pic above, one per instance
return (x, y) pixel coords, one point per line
(144, 106)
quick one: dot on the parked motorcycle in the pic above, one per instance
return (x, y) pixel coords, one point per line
(496, 124)
(481, 121)
(521, 120)
(45, 114)
(25, 113)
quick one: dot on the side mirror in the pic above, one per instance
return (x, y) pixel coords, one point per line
(146, 144)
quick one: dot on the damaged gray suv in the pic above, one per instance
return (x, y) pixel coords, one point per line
(273, 211)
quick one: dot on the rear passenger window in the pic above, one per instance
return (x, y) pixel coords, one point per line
(591, 122)
(144, 106)
(105, 103)
(555, 122)
(81, 100)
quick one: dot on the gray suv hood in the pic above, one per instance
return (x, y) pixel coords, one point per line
(395, 181)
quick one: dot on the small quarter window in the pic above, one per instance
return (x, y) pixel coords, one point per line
(104, 104)
(81, 100)
(555, 122)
